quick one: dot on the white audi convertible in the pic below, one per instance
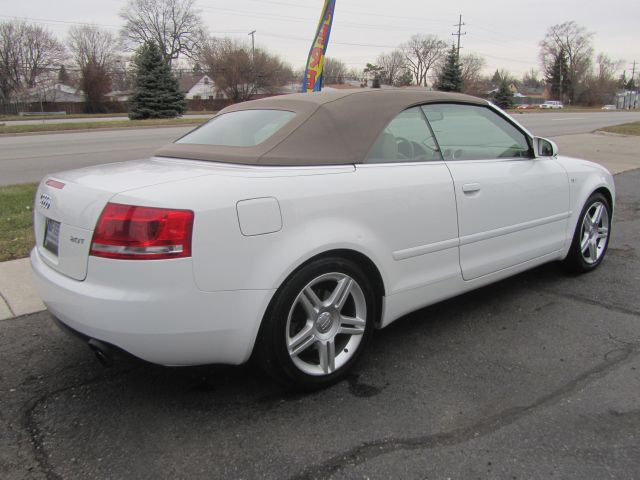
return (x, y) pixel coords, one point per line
(287, 229)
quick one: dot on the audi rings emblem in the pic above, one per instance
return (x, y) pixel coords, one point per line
(45, 201)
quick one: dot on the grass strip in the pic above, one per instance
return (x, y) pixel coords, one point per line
(16, 221)
(61, 127)
(632, 128)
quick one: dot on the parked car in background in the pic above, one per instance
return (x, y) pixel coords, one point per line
(609, 107)
(524, 106)
(552, 104)
(287, 229)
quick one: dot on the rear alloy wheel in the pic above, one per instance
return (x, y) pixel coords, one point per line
(318, 324)
(591, 237)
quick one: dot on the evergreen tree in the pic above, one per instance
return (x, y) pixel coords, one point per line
(504, 95)
(631, 84)
(558, 77)
(156, 93)
(405, 79)
(450, 78)
(496, 79)
(376, 82)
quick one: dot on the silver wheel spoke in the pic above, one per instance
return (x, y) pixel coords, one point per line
(327, 351)
(351, 325)
(584, 245)
(303, 340)
(593, 250)
(597, 215)
(588, 222)
(340, 293)
(310, 301)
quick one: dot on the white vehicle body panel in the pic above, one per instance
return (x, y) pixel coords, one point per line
(509, 212)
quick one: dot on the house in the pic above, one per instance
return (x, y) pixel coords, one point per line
(118, 95)
(57, 92)
(199, 86)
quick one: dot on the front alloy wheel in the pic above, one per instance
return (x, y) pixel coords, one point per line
(591, 237)
(317, 324)
(594, 232)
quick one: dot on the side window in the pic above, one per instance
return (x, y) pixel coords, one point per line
(471, 132)
(407, 138)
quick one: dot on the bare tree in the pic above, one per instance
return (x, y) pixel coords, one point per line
(26, 52)
(600, 88)
(335, 71)
(239, 73)
(530, 79)
(472, 66)
(94, 52)
(393, 65)
(422, 53)
(174, 25)
(91, 44)
(576, 43)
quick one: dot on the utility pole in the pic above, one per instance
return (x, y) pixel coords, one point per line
(253, 44)
(459, 32)
(633, 74)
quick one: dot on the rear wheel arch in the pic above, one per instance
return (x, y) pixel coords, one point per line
(362, 260)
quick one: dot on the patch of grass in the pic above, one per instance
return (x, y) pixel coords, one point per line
(16, 221)
(14, 118)
(632, 128)
(61, 127)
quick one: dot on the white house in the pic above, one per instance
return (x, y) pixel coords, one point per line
(58, 92)
(200, 87)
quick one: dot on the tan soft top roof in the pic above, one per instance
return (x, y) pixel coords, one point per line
(330, 128)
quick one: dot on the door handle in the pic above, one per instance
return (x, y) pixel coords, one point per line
(471, 187)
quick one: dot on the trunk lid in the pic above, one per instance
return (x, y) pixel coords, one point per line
(68, 204)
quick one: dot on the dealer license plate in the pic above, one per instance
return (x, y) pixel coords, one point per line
(51, 236)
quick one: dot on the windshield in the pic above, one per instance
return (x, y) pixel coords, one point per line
(243, 128)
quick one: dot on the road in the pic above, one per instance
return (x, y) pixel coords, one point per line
(28, 158)
(534, 377)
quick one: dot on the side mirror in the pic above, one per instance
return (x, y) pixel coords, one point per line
(544, 147)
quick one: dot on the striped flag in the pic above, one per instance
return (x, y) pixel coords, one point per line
(315, 64)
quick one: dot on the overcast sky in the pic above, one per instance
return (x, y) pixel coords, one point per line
(505, 33)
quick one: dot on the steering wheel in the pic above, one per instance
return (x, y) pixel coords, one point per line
(405, 147)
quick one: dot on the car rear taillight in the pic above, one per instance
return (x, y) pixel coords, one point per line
(130, 232)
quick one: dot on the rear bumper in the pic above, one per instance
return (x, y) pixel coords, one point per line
(154, 310)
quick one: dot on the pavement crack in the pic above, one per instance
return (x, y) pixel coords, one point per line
(369, 450)
(34, 433)
(588, 301)
(6, 302)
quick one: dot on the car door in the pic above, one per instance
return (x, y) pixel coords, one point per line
(412, 206)
(512, 207)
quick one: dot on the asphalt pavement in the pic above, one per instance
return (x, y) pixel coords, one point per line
(535, 377)
(29, 158)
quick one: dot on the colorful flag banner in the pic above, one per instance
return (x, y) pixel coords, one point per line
(315, 64)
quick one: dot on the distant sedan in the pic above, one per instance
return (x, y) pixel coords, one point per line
(287, 229)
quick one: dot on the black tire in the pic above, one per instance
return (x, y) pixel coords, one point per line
(287, 307)
(576, 261)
